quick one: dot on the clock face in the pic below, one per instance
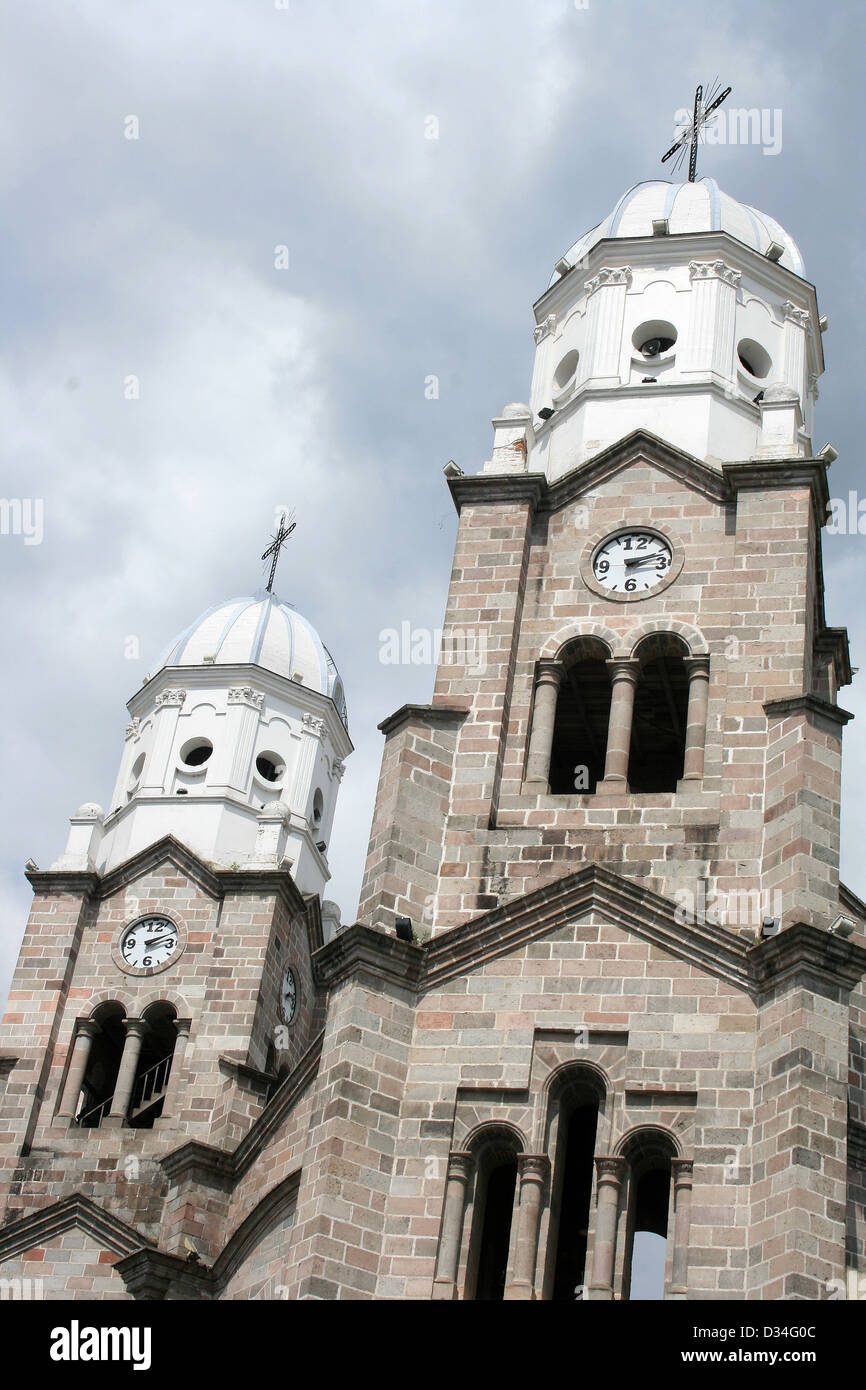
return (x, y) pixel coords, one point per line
(152, 941)
(632, 562)
(289, 995)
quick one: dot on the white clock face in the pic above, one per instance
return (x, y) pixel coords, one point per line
(632, 562)
(153, 941)
(289, 995)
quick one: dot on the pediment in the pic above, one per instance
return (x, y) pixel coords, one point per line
(43, 1227)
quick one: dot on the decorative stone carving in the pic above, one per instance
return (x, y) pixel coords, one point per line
(801, 317)
(714, 270)
(133, 727)
(337, 769)
(544, 328)
(245, 695)
(312, 725)
(609, 275)
(170, 697)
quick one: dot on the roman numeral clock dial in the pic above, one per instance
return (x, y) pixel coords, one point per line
(632, 562)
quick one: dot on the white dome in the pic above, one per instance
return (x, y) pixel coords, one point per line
(259, 631)
(688, 207)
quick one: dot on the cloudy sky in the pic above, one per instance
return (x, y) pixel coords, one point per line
(304, 124)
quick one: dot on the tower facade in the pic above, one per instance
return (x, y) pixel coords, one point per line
(624, 1049)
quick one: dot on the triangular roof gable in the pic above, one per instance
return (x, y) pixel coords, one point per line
(42, 1227)
(639, 447)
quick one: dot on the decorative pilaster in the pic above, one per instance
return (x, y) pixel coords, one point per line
(244, 709)
(606, 293)
(712, 319)
(796, 326)
(532, 1174)
(548, 679)
(610, 1172)
(167, 707)
(460, 1169)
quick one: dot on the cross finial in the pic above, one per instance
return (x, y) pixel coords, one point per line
(690, 137)
(284, 530)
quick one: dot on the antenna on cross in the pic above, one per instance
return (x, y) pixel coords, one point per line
(691, 136)
(285, 528)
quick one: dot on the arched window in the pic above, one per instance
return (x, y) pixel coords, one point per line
(496, 1153)
(576, 1097)
(154, 1065)
(660, 718)
(103, 1064)
(646, 1269)
(582, 715)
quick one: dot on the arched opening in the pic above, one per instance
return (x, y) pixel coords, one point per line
(649, 1203)
(576, 1097)
(492, 1214)
(103, 1064)
(660, 718)
(154, 1065)
(582, 715)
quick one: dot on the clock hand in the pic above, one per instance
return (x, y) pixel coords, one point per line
(156, 941)
(642, 559)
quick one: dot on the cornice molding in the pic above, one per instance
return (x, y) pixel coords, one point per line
(810, 705)
(481, 489)
(802, 953)
(767, 474)
(423, 714)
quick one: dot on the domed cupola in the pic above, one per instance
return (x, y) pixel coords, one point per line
(677, 313)
(236, 746)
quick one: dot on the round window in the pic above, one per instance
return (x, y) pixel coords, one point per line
(135, 772)
(753, 358)
(270, 767)
(654, 338)
(566, 369)
(318, 807)
(196, 751)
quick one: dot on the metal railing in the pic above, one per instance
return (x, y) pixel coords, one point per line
(92, 1119)
(150, 1086)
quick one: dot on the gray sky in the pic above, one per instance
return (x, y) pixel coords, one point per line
(304, 126)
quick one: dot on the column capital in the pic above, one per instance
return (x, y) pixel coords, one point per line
(245, 695)
(461, 1164)
(623, 668)
(533, 1168)
(167, 698)
(801, 317)
(609, 275)
(697, 666)
(682, 1170)
(714, 270)
(548, 673)
(136, 1027)
(610, 1168)
(182, 1026)
(86, 1028)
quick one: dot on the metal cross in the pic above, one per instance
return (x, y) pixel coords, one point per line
(279, 540)
(690, 137)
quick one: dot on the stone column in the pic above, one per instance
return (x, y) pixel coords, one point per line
(169, 1105)
(547, 682)
(610, 1172)
(709, 343)
(86, 1031)
(681, 1183)
(532, 1171)
(135, 1031)
(460, 1166)
(698, 668)
(797, 324)
(624, 676)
